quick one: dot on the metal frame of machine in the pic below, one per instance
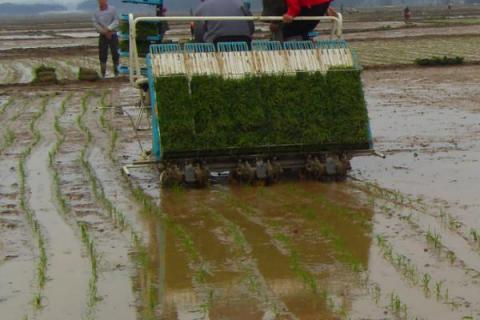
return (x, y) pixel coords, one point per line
(329, 162)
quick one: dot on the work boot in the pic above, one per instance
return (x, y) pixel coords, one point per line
(103, 69)
(115, 69)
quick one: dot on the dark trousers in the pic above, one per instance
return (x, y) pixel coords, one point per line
(104, 44)
(303, 28)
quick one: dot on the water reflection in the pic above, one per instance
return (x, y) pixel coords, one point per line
(291, 249)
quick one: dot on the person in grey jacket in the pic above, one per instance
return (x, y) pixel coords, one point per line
(105, 21)
(223, 31)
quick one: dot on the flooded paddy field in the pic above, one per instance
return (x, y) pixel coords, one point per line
(399, 239)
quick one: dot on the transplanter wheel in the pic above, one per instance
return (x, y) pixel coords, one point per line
(202, 175)
(243, 173)
(171, 176)
(274, 171)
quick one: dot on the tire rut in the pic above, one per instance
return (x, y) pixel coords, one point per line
(67, 268)
(18, 249)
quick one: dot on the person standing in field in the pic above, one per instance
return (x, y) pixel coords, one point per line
(407, 14)
(295, 8)
(106, 23)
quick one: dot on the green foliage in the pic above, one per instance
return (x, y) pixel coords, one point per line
(309, 111)
(439, 61)
(86, 74)
(144, 30)
(43, 73)
(142, 47)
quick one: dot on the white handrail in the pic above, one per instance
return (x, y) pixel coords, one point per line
(337, 23)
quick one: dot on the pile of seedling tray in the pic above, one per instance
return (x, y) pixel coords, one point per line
(302, 112)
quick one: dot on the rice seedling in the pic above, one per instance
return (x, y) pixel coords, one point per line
(434, 239)
(7, 105)
(37, 301)
(397, 307)
(93, 257)
(200, 270)
(438, 289)
(9, 138)
(410, 271)
(297, 267)
(401, 262)
(451, 256)
(426, 283)
(475, 234)
(449, 221)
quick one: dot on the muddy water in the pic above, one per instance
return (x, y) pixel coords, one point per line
(17, 244)
(67, 267)
(279, 284)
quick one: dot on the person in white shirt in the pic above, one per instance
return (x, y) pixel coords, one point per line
(106, 23)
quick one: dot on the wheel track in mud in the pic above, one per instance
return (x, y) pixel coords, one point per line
(26, 206)
(109, 291)
(241, 252)
(18, 271)
(66, 264)
(8, 136)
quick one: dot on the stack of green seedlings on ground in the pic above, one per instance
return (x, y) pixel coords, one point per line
(440, 61)
(144, 30)
(306, 111)
(44, 74)
(411, 273)
(29, 212)
(86, 74)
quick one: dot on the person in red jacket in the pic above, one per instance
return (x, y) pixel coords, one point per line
(297, 8)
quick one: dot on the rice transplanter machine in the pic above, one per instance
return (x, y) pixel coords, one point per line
(265, 161)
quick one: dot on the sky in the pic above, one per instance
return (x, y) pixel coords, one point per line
(67, 3)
